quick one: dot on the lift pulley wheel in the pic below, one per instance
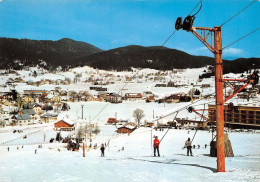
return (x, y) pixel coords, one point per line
(188, 23)
(190, 109)
(178, 23)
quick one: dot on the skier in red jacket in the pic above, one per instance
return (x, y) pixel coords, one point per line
(156, 144)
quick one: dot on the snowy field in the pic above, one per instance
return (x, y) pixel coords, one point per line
(53, 162)
(134, 163)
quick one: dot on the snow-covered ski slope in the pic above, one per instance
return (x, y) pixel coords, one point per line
(135, 162)
(54, 162)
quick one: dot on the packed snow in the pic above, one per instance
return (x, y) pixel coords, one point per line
(128, 157)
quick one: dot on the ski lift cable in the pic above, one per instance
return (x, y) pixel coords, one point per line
(169, 127)
(133, 76)
(192, 104)
(241, 38)
(195, 8)
(184, 107)
(238, 12)
(198, 126)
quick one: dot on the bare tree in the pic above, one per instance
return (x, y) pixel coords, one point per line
(80, 133)
(138, 114)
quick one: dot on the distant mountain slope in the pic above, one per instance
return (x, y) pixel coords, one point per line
(17, 53)
(240, 65)
(54, 53)
(124, 58)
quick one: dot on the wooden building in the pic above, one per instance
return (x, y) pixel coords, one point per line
(191, 123)
(111, 121)
(113, 98)
(127, 128)
(64, 126)
(133, 96)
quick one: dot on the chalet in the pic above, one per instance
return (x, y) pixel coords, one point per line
(149, 124)
(113, 98)
(111, 121)
(133, 96)
(64, 126)
(21, 119)
(173, 98)
(127, 128)
(49, 118)
(29, 112)
(148, 94)
(95, 98)
(191, 123)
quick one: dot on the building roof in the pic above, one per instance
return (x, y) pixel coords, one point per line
(134, 95)
(48, 115)
(23, 117)
(111, 120)
(68, 122)
(28, 111)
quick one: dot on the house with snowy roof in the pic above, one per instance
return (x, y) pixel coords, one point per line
(64, 126)
(133, 96)
(29, 112)
(127, 128)
(113, 98)
(49, 118)
(21, 119)
(112, 120)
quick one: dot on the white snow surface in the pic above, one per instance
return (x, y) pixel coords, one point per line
(53, 162)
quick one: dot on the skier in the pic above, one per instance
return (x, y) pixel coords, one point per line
(188, 146)
(205, 145)
(35, 151)
(198, 146)
(102, 150)
(156, 144)
(8, 149)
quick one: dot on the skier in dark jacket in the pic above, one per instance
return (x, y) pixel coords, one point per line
(156, 144)
(102, 150)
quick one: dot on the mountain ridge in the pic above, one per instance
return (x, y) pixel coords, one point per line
(70, 53)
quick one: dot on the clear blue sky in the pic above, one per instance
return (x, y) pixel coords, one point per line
(110, 24)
